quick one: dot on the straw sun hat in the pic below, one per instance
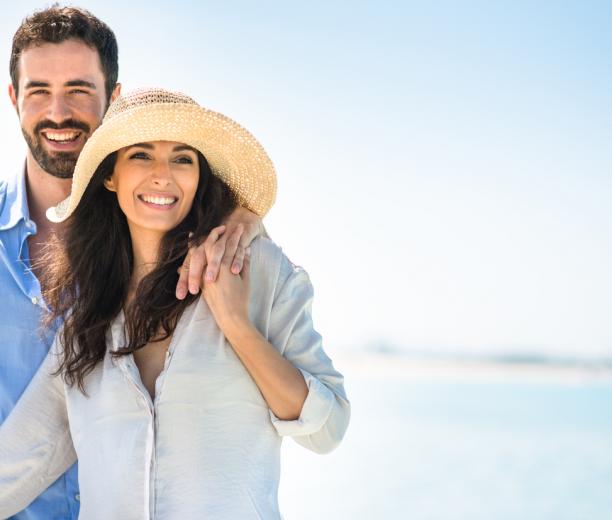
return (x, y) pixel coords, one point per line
(233, 154)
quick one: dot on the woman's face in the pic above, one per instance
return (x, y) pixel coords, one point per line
(155, 184)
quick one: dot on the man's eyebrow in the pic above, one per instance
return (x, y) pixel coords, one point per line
(80, 83)
(36, 84)
(71, 83)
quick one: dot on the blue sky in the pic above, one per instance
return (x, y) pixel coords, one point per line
(444, 167)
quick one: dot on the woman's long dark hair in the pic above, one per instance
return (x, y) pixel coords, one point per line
(88, 271)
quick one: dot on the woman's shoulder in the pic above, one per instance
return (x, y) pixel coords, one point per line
(269, 261)
(265, 250)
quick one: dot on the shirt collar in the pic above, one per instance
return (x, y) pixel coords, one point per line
(13, 201)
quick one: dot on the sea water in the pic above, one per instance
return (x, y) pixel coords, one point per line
(445, 447)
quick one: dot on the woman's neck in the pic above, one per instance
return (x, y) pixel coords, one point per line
(145, 249)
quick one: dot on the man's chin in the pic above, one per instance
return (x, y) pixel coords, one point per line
(57, 164)
(60, 167)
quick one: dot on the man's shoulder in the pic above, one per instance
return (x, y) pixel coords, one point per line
(3, 190)
(4, 186)
(10, 181)
(12, 199)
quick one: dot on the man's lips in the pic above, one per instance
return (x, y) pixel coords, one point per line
(63, 140)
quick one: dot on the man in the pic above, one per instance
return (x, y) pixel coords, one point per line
(64, 68)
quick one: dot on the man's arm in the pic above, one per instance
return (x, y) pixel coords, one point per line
(35, 442)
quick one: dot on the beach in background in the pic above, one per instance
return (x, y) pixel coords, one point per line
(441, 439)
(444, 178)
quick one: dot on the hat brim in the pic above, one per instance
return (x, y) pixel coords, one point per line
(233, 154)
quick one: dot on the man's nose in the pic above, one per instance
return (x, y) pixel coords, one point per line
(59, 110)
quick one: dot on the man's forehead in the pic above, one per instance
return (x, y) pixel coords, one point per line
(60, 62)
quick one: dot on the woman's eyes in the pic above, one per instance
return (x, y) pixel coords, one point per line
(183, 159)
(139, 155)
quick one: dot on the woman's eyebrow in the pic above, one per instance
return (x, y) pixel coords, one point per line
(141, 145)
(182, 147)
(177, 148)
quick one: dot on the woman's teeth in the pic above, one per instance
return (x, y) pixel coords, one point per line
(161, 201)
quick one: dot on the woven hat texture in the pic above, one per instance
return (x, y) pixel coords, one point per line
(155, 114)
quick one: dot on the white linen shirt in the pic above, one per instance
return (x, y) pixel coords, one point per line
(207, 446)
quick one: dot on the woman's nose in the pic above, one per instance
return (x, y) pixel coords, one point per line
(162, 174)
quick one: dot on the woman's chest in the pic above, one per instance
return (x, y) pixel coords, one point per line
(196, 373)
(150, 361)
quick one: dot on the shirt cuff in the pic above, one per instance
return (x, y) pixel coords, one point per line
(315, 411)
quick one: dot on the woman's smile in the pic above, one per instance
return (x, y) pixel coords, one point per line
(158, 201)
(155, 184)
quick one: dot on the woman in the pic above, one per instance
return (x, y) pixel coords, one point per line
(175, 408)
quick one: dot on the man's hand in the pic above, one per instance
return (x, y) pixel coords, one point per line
(228, 243)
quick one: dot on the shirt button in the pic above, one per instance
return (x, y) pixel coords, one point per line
(30, 224)
(34, 300)
(77, 497)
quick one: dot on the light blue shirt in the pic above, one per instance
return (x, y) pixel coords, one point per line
(23, 345)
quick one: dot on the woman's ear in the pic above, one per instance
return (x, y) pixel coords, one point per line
(109, 185)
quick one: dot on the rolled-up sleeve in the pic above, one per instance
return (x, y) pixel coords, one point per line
(35, 442)
(325, 414)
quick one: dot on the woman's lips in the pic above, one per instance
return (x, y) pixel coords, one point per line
(160, 202)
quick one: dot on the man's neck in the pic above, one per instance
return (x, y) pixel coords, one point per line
(43, 190)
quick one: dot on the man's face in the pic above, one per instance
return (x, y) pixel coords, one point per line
(61, 100)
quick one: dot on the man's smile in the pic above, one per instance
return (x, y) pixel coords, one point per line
(63, 140)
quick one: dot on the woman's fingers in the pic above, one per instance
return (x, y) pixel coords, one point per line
(238, 260)
(181, 285)
(197, 263)
(205, 260)
(234, 254)
(198, 260)
(246, 272)
(214, 246)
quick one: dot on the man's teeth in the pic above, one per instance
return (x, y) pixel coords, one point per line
(62, 137)
(162, 201)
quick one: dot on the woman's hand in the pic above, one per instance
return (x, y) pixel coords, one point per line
(228, 296)
(282, 385)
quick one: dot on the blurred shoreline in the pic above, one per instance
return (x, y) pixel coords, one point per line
(472, 367)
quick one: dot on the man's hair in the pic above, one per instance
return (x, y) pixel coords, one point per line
(58, 24)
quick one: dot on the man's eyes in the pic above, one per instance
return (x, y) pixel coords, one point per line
(40, 91)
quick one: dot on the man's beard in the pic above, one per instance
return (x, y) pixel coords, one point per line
(59, 164)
